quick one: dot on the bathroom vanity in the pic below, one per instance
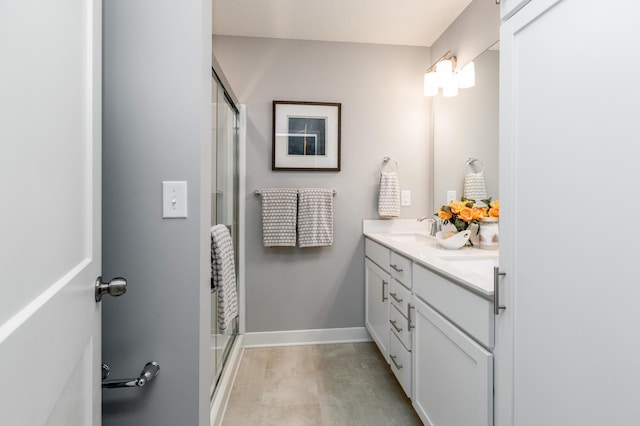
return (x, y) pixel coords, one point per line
(431, 313)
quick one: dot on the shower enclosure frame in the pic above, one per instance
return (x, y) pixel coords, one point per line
(225, 191)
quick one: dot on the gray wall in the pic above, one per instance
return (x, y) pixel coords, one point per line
(384, 113)
(157, 124)
(477, 28)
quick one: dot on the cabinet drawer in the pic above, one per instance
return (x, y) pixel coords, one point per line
(401, 269)
(467, 310)
(399, 296)
(400, 326)
(377, 253)
(400, 362)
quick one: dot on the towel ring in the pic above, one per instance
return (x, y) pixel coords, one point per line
(386, 161)
(471, 161)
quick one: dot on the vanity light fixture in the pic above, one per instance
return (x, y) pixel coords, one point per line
(442, 75)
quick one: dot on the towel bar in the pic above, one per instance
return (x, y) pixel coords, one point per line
(258, 192)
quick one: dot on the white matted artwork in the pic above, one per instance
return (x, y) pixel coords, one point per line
(306, 136)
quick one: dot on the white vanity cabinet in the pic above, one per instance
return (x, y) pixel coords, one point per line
(452, 362)
(377, 295)
(436, 332)
(453, 375)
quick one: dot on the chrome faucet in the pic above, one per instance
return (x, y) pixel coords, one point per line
(435, 224)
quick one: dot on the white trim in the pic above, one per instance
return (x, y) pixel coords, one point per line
(223, 390)
(306, 337)
(242, 191)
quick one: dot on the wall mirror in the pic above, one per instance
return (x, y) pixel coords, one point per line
(466, 126)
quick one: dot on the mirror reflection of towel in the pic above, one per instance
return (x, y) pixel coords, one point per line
(474, 186)
(389, 196)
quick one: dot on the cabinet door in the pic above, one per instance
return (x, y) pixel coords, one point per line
(453, 375)
(509, 7)
(377, 305)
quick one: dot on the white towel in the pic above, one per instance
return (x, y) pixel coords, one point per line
(315, 217)
(279, 214)
(223, 272)
(389, 196)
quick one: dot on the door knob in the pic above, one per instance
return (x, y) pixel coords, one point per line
(115, 287)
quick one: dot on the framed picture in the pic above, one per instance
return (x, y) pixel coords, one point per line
(306, 136)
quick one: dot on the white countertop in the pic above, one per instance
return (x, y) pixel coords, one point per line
(469, 267)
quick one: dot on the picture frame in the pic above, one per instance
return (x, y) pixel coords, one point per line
(306, 136)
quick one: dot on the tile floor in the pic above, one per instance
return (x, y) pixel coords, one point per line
(335, 384)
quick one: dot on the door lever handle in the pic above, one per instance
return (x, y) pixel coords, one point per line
(150, 370)
(115, 287)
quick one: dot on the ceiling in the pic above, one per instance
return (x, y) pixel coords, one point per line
(399, 22)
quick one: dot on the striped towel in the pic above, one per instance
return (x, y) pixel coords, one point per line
(279, 213)
(389, 196)
(223, 271)
(315, 217)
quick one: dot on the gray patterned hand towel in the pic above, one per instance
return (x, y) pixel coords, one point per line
(389, 196)
(279, 214)
(474, 186)
(315, 217)
(223, 272)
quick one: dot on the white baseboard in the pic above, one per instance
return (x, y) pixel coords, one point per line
(306, 337)
(223, 391)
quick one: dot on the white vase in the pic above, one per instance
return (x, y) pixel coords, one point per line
(489, 236)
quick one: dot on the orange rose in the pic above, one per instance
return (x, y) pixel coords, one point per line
(495, 204)
(466, 214)
(456, 206)
(478, 213)
(444, 215)
(494, 211)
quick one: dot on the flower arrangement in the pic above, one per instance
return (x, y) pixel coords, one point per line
(465, 212)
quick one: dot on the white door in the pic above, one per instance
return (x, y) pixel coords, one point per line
(568, 345)
(50, 225)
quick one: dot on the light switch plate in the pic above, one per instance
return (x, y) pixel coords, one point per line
(451, 195)
(174, 199)
(406, 198)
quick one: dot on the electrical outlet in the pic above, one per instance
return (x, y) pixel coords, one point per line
(406, 198)
(451, 195)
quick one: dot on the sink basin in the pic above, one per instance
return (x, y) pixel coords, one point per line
(482, 265)
(409, 238)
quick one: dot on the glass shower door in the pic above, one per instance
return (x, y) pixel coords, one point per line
(224, 210)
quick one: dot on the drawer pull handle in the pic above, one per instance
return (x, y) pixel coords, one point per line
(395, 297)
(409, 308)
(395, 325)
(395, 268)
(384, 284)
(393, 359)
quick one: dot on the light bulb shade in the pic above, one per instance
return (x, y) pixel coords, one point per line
(431, 84)
(450, 87)
(444, 67)
(467, 76)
